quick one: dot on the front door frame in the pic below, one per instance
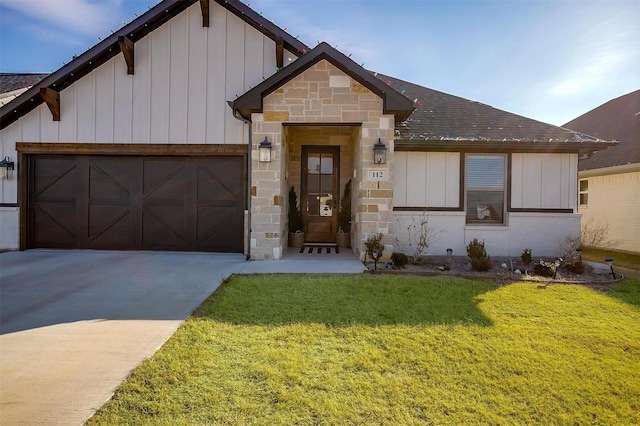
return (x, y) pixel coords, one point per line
(311, 235)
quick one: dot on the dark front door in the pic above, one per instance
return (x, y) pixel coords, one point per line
(320, 177)
(136, 203)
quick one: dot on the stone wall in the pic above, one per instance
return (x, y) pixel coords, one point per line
(320, 96)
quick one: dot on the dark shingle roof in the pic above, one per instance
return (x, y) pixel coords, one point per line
(617, 119)
(14, 81)
(443, 117)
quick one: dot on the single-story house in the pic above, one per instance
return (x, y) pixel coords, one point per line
(150, 140)
(609, 181)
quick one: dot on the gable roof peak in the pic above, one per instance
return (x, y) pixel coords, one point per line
(393, 101)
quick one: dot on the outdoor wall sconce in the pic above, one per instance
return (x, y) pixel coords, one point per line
(6, 169)
(609, 261)
(379, 153)
(264, 150)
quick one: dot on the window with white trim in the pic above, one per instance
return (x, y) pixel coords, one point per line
(485, 188)
(583, 192)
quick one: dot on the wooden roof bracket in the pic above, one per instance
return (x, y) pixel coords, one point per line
(204, 6)
(52, 98)
(279, 52)
(126, 46)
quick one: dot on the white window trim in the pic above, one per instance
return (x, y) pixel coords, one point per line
(581, 192)
(503, 190)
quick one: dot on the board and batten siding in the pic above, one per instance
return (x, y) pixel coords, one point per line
(184, 76)
(544, 181)
(427, 179)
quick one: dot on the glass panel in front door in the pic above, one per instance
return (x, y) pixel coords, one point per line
(320, 184)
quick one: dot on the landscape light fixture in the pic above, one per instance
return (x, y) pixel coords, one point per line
(264, 151)
(6, 169)
(449, 254)
(609, 261)
(379, 152)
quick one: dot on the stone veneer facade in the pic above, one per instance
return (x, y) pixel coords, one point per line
(322, 96)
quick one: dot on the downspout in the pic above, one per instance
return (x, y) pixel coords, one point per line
(248, 239)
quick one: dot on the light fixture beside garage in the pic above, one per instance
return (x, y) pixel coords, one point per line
(6, 169)
(264, 151)
(379, 153)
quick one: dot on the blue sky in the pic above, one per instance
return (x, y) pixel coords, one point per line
(551, 60)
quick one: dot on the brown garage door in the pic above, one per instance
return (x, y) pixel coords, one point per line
(136, 203)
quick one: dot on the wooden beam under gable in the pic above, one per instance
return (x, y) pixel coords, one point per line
(52, 98)
(126, 46)
(279, 52)
(204, 6)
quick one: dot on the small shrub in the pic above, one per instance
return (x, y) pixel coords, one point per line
(295, 215)
(480, 260)
(525, 256)
(572, 255)
(545, 269)
(399, 260)
(374, 242)
(576, 268)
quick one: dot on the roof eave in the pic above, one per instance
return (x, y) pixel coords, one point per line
(135, 30)
(467, 145)
(394, 102)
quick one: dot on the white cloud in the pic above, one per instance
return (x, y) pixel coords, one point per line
(76, 16)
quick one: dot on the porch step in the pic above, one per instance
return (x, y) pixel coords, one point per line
(320, 249)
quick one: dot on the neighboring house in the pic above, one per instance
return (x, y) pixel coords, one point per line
(150, 140)
(609, 181)
(14, 84)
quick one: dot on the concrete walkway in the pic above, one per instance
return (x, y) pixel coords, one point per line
(74, 324)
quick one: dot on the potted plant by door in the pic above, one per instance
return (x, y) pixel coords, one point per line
(343, 237)
(296, 235)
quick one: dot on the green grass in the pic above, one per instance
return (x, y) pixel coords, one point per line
(622, 259)
(337, 350)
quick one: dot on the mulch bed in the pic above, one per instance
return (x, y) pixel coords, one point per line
(500, 272)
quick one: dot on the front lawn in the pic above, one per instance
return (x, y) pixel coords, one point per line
(327, 349)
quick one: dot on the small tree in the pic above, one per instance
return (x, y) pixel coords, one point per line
(480, 260)
(344, 215)
(526, 259)
(295, 215)
(417, 237)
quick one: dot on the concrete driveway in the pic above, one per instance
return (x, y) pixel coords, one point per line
(74, 324)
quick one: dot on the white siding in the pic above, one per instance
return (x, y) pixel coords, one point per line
(544, 181)
(427, 179)
(544, 233)
(184, 76)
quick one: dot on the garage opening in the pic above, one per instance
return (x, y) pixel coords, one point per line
(115, 202)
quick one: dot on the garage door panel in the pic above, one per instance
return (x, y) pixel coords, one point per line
(102, 218)
(164, 178)
(111, 178)
(169, 219)
(216, 184)
(147, 203)
(57, 180)
(158, 235)
(216, 224)
(55, 222)
(113, 234)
